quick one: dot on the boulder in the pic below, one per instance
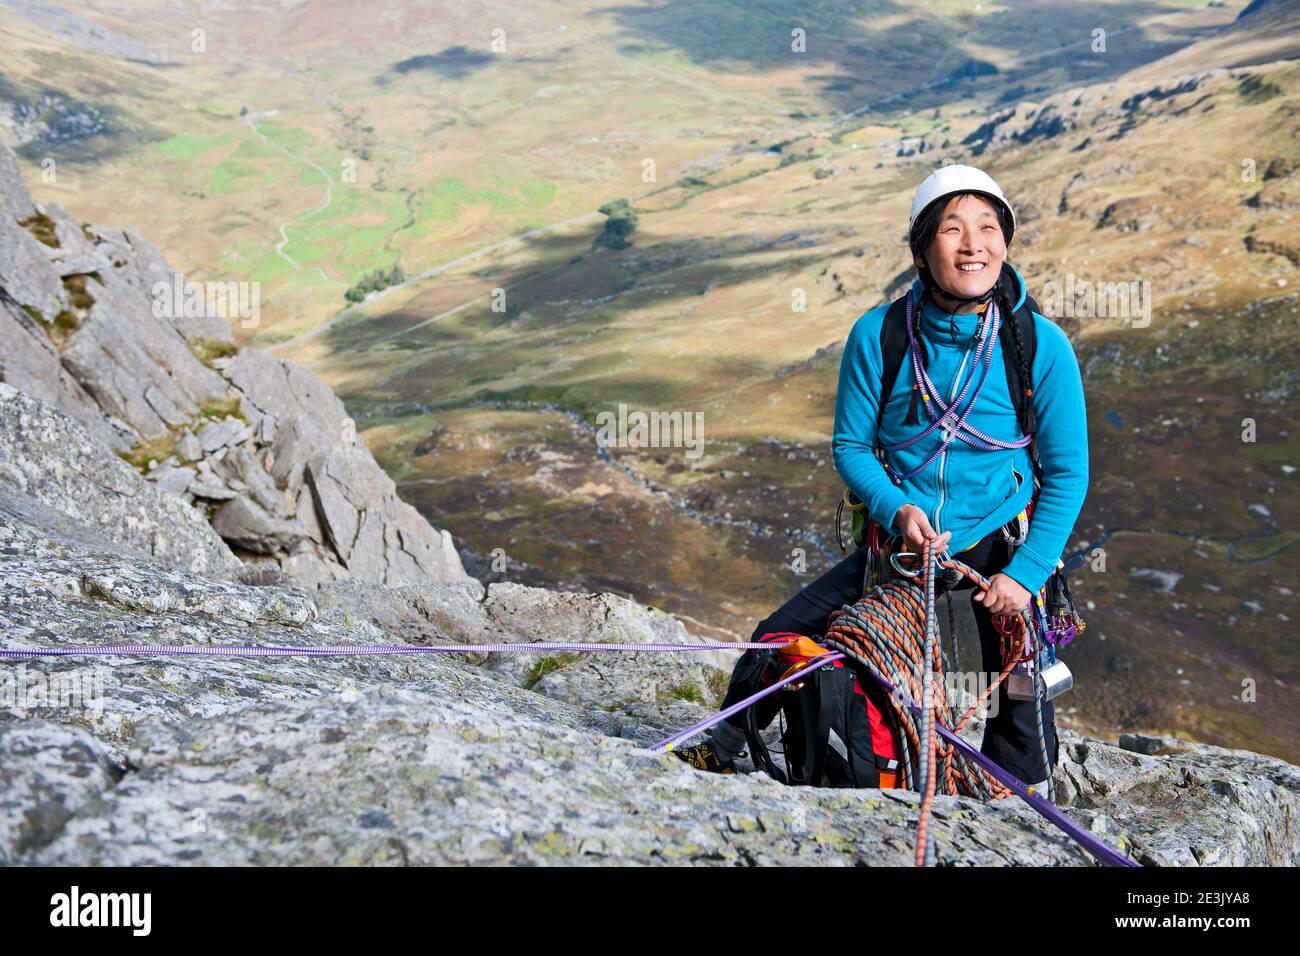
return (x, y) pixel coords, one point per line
(245, 524)
(174, 480)
(219, 434)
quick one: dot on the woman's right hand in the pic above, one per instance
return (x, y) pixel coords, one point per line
(915, 529)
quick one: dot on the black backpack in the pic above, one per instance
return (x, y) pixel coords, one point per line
(838, 729)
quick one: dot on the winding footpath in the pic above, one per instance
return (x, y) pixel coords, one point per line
(329, 192)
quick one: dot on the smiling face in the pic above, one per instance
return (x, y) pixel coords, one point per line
(966, 254)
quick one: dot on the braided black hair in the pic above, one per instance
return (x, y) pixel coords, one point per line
(1003, 296)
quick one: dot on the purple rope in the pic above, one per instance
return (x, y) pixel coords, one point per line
(668, 743)
(986, 443)
(350, 650)
(948, 413)
(1043, 807)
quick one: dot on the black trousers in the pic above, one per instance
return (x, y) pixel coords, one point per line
(1010, 736)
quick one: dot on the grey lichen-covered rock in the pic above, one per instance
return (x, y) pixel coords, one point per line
(449, 759)
(216, 435)
(173, 480)
(49, 772)
(47, 457)
(415, 777)
(96, 323)
(372, 532)
(24, 273)
(428, 759)
(188, 447)
(1184, 803)
(241, 467)
(15, 201)
(136, 367)
(30, 363)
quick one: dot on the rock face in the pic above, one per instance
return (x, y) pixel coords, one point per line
(51, 466)
(262, 448)
(449, 758)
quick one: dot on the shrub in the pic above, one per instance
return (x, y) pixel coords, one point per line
(621, 223)
(374, 281)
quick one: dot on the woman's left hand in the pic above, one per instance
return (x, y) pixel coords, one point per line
(1004, 595)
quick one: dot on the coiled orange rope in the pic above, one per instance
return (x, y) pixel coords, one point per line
(886, 631)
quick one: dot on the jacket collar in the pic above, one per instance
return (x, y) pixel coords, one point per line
(958, 328)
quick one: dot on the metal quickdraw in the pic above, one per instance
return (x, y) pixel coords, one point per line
(1037, 674)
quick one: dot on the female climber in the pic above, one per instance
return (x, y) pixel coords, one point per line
(965, 483)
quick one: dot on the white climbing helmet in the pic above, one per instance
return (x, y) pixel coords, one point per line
(947, 180)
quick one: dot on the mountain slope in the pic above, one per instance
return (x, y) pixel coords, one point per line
(96, 322)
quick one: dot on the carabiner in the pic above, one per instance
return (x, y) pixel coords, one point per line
(893, 560)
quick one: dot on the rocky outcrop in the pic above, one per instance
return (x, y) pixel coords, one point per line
(262, 448)
(449, 758)
(1022, 123)
(1064, 113)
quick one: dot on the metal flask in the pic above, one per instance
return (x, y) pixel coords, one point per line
(1056, 679)
(1023, 684)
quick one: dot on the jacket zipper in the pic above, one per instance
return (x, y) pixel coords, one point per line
(943, 455)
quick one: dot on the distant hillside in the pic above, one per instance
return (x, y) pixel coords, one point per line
(1264, 32)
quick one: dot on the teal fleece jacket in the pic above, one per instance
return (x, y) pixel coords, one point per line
(965, 490)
